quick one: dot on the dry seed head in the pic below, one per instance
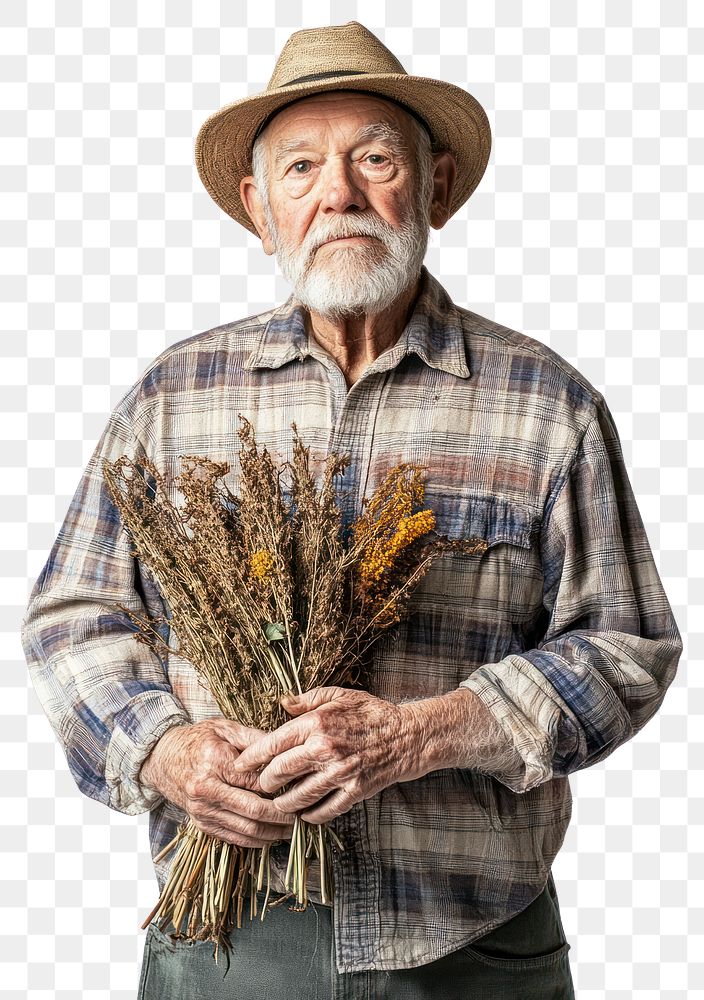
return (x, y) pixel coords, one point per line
(381, 555)
(261, 563)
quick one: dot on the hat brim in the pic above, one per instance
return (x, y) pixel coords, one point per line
(457, 121)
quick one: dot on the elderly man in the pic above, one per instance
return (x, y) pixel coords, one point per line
(448, 780)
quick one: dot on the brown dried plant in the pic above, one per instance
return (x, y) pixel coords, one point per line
(264, 597)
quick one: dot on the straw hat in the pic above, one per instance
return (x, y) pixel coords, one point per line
(340, 57)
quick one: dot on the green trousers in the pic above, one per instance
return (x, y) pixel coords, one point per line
(290, 956)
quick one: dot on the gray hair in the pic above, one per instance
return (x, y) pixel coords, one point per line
(422, 155)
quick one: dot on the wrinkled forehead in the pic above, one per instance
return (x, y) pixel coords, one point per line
(359, 109)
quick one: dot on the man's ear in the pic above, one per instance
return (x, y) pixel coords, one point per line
(443, 185)
(253, 206)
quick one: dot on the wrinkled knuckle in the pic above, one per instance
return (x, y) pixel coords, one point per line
(247, 827)
(194, 788)
(200, 810)
(251, 810)
(321, 723)
(242, 841)
(212, 829)
(267, 782)
(224, 833)
(253, 820)
(269, 779)
(340, 753)
(255, 810)
(209, 751)
(328, 747)
(316, 744)
(355, 787)
(258, 831)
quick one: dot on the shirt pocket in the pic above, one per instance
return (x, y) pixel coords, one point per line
(500, 586)
(469, 608)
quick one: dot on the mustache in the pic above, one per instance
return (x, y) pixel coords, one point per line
(345, 227)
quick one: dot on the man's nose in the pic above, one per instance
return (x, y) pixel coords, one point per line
(341, 190)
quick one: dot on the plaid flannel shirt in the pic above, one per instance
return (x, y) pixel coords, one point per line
(561, 626)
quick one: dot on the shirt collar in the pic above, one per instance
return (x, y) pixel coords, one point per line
(434, 332)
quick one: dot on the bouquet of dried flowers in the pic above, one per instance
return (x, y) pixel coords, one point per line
(265, 596)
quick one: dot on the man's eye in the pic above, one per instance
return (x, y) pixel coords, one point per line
(376, 159)
(304, 164)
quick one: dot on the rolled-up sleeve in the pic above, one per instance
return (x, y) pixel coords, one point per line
(611, 646)
(106, 696)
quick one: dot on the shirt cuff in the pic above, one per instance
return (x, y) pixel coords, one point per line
(524, 713)
(139, 725)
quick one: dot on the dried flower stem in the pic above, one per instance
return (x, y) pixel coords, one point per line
(263, 598)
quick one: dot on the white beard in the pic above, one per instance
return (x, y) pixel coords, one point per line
(353, 278)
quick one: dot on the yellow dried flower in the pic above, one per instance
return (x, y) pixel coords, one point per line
(261, 563)
(380, 556)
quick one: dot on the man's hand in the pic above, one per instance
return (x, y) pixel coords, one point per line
(345, 746)
(193, 766)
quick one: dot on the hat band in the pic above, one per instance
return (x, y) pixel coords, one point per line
(329, 75)
(324, 76)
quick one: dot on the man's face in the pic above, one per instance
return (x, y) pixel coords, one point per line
(347, 210)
